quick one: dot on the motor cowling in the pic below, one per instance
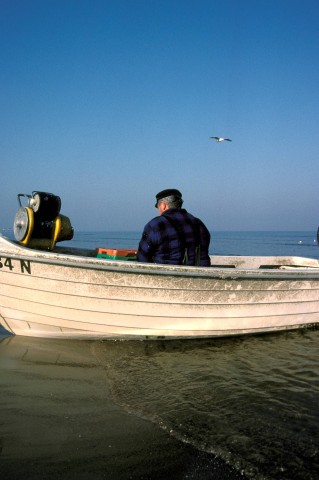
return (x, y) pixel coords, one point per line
(39, 224)
(46, 205)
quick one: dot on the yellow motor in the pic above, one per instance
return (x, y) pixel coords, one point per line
(39, 224)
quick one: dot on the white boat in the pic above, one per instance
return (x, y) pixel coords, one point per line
(70, 293)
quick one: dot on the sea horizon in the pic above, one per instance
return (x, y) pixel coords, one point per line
(301, 243)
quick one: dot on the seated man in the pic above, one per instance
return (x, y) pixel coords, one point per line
(175, 236)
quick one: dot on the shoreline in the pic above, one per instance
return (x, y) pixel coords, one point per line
(153, 455)
(58, 419)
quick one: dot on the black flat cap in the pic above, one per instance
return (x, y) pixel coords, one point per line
(167, 193)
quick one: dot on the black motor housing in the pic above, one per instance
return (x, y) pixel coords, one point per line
(47, 206)
(39, 224)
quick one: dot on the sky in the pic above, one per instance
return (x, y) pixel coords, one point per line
(105, 103)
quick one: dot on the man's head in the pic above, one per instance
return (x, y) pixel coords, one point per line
(169, 198)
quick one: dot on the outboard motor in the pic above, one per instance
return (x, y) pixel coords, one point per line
(40, 224)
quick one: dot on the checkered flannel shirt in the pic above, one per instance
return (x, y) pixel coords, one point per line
(166, 238)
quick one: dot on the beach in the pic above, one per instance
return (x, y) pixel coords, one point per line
(226, 408)
(59, 420)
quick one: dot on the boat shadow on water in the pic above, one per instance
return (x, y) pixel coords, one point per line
(249, 402)
(58, 419)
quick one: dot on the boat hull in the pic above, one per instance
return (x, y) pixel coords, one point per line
(50, 294)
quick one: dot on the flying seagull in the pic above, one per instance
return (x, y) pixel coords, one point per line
(220, 139)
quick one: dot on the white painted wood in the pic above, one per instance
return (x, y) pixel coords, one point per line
(70, 293)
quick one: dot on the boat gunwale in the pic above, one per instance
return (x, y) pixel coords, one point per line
(97, 264)
(265, 271)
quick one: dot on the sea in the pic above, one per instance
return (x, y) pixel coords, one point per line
(228, 408)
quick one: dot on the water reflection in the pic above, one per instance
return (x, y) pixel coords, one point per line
(58, 418)
(253, 401)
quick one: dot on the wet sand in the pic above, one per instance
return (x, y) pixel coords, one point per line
(58, 420)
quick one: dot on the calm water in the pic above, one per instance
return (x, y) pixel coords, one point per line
(223, 243)
(253, 402)
(174, 409)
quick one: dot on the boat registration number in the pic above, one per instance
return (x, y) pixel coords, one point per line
(24, 266)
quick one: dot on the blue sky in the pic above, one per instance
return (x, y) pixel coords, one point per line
(105, 103)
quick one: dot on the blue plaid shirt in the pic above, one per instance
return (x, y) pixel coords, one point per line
(168, 237)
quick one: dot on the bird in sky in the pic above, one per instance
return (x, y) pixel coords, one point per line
(221, 139)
